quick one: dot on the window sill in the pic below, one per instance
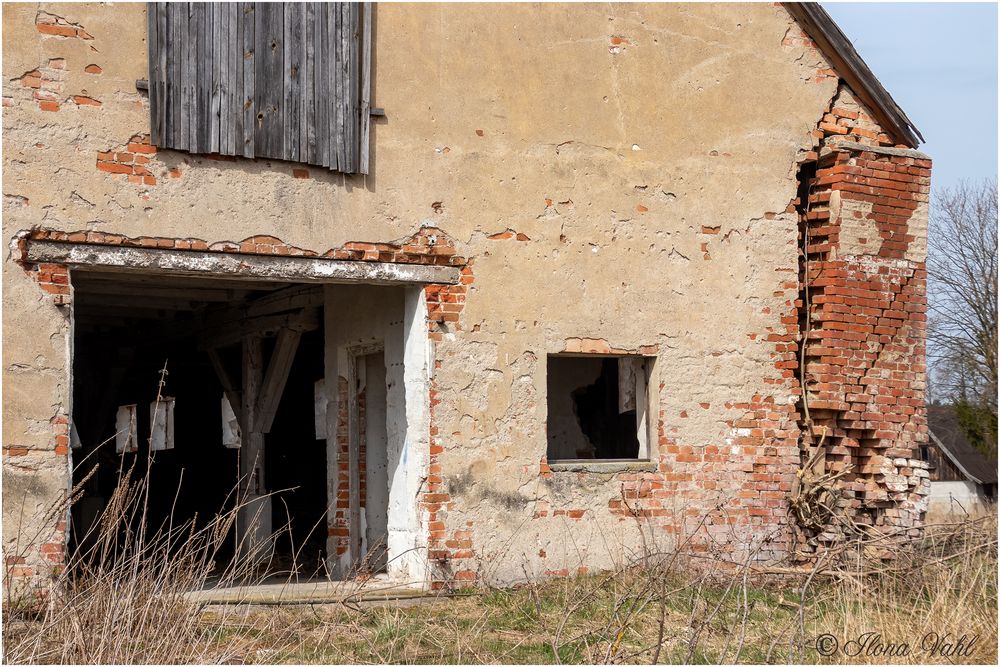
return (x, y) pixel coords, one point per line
(603, 467)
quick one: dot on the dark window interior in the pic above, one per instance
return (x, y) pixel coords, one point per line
(586, 418)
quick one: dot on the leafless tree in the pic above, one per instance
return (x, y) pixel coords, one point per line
(962, 290)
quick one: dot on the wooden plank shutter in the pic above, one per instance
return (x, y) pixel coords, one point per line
(288, 81)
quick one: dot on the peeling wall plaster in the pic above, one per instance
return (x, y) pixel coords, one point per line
(599, 178)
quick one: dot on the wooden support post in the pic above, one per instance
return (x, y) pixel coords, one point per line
(254, 518)
(278, 369)
(229, 387)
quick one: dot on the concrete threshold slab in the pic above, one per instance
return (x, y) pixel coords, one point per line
(308, 592)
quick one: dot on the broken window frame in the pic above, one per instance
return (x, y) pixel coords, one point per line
(646, 398)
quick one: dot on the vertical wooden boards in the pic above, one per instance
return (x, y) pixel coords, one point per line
(268, 60)
(189, 105)
(220, 32)
(351, 85)
(336, 67)
(203, 120)
(162, 26)
(289, 81)
(307, 133)
(232, 104)
(153, 63)
(324, 48)
(249, 62)
(366, 85)
(178, 41)
(170, 74)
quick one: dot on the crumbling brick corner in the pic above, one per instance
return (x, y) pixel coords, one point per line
(864, 312)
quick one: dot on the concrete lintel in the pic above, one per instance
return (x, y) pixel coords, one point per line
(249, 267)
(855, 147)
(603, 467)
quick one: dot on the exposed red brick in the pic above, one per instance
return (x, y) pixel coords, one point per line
(83, 100)
(59, 30)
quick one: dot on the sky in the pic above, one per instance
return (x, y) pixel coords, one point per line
(939, 62)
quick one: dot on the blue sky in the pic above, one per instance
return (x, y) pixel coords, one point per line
(939, 62)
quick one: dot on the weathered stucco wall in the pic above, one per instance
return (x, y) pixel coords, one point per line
(620, 177)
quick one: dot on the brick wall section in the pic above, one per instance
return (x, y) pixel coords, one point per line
(131, 160)
(848, 119)
(450, 553)
(865, 368)
(56, 26)
(41, 556)
(43, 85)
(741, 481)
(864, 360)
(340, 528)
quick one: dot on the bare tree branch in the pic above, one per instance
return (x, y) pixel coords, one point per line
(962, 292)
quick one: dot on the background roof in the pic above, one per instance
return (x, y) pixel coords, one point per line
(943, 424)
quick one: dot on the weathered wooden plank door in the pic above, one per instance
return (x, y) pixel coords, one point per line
(289, 81)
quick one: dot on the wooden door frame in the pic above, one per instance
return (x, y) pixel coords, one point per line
(354, 353)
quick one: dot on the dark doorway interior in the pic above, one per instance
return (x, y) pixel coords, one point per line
(127, 329)
(296, 466)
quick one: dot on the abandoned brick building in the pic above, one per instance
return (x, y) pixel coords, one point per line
(467, 292)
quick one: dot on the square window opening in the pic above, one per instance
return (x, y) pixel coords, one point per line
(598, 407)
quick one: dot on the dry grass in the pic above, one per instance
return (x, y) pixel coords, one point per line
(946, 585)
(122, 600)
(928, 598)
(665, 609)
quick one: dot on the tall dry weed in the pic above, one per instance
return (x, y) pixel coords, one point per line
(122, 596)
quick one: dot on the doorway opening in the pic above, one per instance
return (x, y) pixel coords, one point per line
(145, 341)
(220, 393)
